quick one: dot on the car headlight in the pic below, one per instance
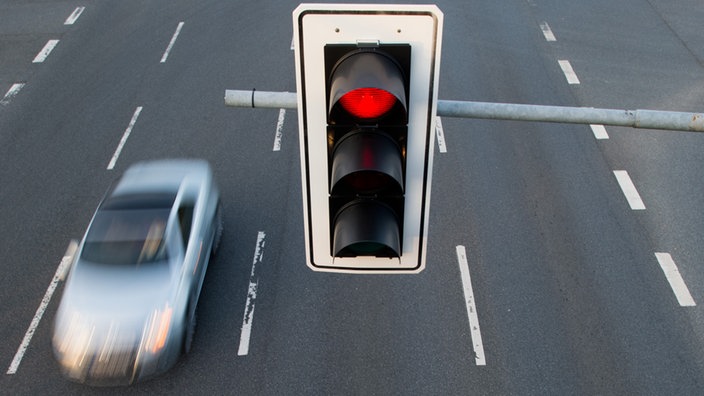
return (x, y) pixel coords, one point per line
(156, 330)
(72, 340)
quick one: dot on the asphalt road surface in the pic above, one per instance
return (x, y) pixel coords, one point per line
(584, 243)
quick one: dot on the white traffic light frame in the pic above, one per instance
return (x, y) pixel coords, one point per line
(316, 25)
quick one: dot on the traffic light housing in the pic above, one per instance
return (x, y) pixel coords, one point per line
(367, 92)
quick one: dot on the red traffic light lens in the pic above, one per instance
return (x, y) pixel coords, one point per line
(368, 103)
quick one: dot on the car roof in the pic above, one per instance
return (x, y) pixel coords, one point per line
(151, 200)
(155, 181)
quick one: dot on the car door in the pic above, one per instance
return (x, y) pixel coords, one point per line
(190, 225)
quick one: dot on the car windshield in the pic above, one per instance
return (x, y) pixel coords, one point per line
(130, 237)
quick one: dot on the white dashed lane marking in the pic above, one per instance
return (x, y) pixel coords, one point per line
(58, 276)
(172, 42)
(44, 53)
(479, 358)
(440, 134)
(279, 130)
(246, 334)
(629, 190)
(11, 93)
(547, 32)
(125, 135)
(599, 131)
(567, 69)
(74, 16)
(674, 277)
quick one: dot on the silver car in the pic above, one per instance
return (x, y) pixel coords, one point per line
(128, 306)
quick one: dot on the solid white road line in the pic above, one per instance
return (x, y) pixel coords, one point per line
(74, 16)
(675, 278)
(251, 297)
(475, 332)
(279, 128)
(172, 42)
(567, 69)
(11, 93)
(65, 262)
(629, 190)
(599, 131)
(547, 32)
(44, 53)
(440, 133)
(125, 135)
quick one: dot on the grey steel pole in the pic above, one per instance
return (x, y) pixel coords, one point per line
(647, 119)
(265, 99)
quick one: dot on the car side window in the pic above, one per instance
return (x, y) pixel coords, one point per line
(185, 220)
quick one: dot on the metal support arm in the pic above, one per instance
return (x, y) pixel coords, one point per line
(647, 119)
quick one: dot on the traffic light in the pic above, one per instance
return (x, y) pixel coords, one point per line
(367, 91)
(367, 131)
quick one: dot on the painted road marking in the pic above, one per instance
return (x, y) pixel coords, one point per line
(547, 32)
(475, 332)
(629, 190)
(44, 53)
(440, 133)
(60, 271)
(599, 131)
(11, 93)
(172, 42)
(125, 135)
(243, 349)
(567, 69)
(673, 276)
(279, 129)
(74, 16)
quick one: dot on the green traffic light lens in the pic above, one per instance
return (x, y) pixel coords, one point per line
(366, 249)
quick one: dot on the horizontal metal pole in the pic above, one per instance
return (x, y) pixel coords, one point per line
(647, 119)
(265, 99)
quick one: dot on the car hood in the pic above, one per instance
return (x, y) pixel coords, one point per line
(105, 295)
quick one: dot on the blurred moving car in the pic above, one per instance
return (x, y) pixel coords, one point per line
(128, 306)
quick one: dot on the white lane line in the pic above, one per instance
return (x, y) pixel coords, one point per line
(567, 69)
(440, 133)
(279, 128)
(125, 135)
(172, 42)
(629, 190)
(44, 53)
(11, 93)
(65, 262)
(675, 278)
(547, 32)
(599, 131)
(243, 349)
(471, 307)
(74, 16)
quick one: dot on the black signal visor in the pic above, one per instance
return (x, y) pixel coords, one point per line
(367, 85)
(366, 162)
(366, 228)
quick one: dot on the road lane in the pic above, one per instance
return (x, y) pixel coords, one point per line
(569, 291)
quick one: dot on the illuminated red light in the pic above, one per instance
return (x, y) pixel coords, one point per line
(368, 103)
